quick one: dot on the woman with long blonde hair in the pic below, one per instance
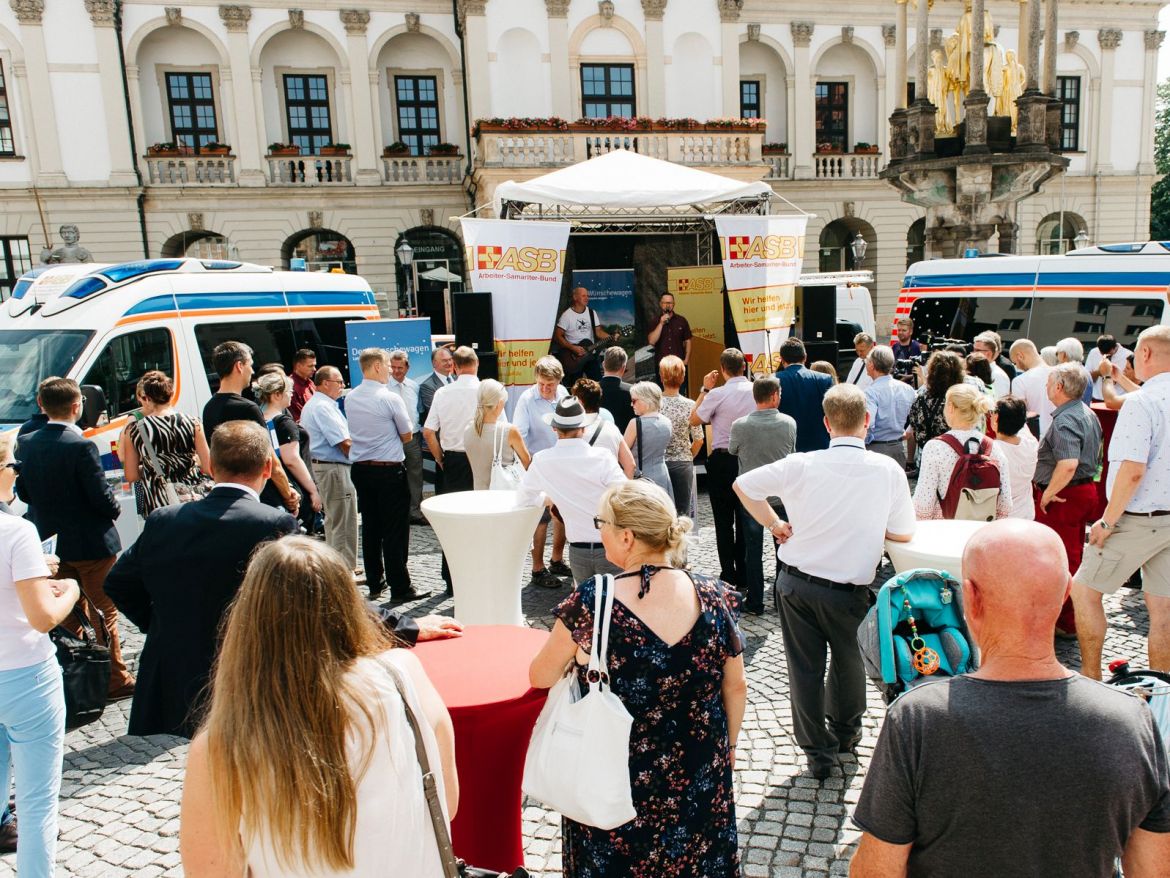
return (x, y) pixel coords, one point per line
(306, 763)
(490, 433)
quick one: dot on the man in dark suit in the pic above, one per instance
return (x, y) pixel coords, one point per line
(615, 393)
(176, 582)
(802, 394)
(442, 374)
(62, 481)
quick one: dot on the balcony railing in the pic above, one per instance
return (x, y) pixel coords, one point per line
(779, 166)
(521, 149)
(853, 166)
(191, 170)
(309, 170)
(404, 170)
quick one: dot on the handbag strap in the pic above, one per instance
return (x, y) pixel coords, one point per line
(598, 672)
(638, 428)
(430, 788)
(497, 445)
(148, 447)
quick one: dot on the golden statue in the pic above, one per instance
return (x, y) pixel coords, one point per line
(1014, 77)
(938, 92)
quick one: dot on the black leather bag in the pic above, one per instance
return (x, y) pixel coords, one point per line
(85, 669)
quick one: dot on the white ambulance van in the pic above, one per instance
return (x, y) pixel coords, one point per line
(105, 325)
(1119, 289)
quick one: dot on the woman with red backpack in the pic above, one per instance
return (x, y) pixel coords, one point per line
(963, 475)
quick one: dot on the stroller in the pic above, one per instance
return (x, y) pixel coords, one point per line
(915, 632)
(1152, 687)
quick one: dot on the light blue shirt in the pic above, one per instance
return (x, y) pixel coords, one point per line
(327, 427)
(528, 417)
(408, 390)
(888, 402)
(376, 418)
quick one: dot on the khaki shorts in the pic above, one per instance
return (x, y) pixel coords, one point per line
(1137, 541)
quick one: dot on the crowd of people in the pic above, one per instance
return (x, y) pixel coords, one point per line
(228, 585)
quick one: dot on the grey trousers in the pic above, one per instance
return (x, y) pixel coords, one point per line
(895, 450)
(589, 562)
(682, 476)
(341, 511)
(414, 472)
(813, 618)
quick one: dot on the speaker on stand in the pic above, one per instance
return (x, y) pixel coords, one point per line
(472, 313)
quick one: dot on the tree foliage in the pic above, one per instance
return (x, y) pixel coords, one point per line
(1160, 194)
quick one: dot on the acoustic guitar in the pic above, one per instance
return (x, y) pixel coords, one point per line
(573, 362)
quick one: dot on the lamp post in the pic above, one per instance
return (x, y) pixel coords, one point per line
(858, 245)
(405, 257)
(1081, 240)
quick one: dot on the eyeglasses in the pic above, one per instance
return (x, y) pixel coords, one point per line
(598, 522)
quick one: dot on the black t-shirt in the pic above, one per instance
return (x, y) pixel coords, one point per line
(989, 778)
(224, 407)
(283, 429)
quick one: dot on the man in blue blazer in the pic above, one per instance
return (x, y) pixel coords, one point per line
(802, 392)
(62, 480)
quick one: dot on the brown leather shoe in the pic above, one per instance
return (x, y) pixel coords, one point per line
(8, 837)
(121, 693)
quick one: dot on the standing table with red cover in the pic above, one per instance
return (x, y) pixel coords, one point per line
(482, 677)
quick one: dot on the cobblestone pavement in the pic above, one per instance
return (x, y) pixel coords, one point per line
(120, 795)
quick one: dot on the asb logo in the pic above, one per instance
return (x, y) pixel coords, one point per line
(744, 247)
(529, 259)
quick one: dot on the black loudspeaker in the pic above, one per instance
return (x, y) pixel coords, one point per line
(472, 315)
(489, 365)
(430, 304)
(818, 315)
(821, 350)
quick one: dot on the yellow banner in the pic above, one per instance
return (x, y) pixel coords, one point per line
(517, 359)
(698, 296)
(763, 308)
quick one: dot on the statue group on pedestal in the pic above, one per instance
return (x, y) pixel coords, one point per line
(949, 74)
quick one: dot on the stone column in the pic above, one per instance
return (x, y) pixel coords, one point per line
(975, 104)
(1109, 38)
(889, 102)
(41, 130)
(921, 116)
(1051, 23)
(1023, 39)
(802, 133)
(1031, 135)
(247, 147)
(558, 53)
(729, 38)
(1154, 40)
(900, 54)
(653, 11)
(365, 144)
(101, 14)
(474, 25)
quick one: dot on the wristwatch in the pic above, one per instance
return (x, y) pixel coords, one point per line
(1105, 525)
(704, 390)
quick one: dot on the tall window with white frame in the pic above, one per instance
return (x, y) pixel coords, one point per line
(191, 101)
(15, 260)
(7, 143)
(306, 106)
(832, 114)
(607, 90)
(1068, 92)
(417, 100)
(749, 99)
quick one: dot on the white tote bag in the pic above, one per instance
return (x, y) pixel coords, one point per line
(504, 477)
(578, 760)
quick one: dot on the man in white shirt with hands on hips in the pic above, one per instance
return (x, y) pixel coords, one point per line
(829, 553)
(1134, 530)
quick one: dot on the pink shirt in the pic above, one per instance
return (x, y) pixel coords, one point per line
(725, 405)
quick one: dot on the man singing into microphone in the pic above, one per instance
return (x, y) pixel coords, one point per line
(671, 335)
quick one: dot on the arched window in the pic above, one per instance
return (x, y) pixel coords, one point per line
(1057, 233)
(436, 267)
(916, 242)
(201, 245)
(322, 250)
(836, 245)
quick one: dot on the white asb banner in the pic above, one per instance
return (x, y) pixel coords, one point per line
(762, 257)
(521, 264)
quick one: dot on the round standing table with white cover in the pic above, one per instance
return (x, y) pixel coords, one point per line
(486, 536)
(937, 545)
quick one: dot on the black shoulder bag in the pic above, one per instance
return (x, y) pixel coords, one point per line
(85, 669)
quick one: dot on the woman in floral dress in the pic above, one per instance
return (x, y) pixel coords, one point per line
(675, 662)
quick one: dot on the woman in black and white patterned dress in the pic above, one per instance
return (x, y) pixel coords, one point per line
(177, 439)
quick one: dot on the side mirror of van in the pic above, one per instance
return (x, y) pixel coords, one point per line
(93, 407)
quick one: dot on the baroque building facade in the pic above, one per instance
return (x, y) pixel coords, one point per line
(331, 131)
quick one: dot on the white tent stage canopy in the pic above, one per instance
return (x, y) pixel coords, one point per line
(623, 183)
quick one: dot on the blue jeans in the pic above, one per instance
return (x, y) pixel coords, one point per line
(32, 733)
